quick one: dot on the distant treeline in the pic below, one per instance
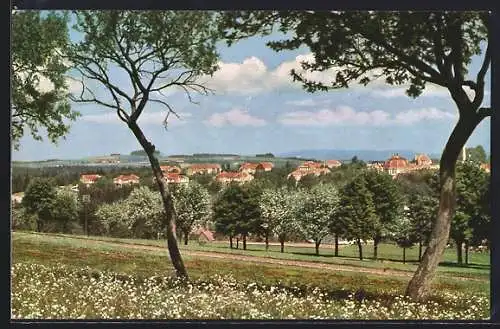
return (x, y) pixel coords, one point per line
(265, 155)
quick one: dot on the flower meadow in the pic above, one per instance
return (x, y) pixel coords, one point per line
(61, 292)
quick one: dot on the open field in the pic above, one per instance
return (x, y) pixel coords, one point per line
(63, 267)
(390, 256)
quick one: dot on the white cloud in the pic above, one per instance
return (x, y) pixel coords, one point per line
(345, 115)
(252, 76)
(146, 118)
(235, 117)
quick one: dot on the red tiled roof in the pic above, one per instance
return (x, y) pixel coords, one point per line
(90, 177)
(267, 165)
(333, 162)
(396, 161)
(170, 168)
(249, 165)
(131, 177)
(311, 164)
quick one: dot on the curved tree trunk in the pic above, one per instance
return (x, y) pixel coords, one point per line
(419, 285)
(168, 204)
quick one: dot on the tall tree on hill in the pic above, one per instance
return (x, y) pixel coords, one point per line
(387, 202)
(156, 51)
(39, 87)
(357, 211)
(411, 49)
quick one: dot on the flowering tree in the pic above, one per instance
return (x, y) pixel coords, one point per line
(278, 213)
(315, 208)
(113, 217)
(144, 211)
(192, 203)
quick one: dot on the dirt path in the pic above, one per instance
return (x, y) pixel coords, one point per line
(268, 260)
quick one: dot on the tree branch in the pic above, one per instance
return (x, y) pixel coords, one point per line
(484, 112)
(478, 98)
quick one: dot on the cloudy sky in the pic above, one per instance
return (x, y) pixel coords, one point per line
(257, 108)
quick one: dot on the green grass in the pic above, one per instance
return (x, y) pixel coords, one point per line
(390, 256)
(103, 255)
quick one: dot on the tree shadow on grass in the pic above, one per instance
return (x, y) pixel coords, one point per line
(470, 265)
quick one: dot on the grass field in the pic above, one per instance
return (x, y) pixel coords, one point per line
(65, 264)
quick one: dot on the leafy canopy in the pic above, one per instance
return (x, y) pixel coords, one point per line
(39, 87)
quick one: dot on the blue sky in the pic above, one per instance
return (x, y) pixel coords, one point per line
(257, 108)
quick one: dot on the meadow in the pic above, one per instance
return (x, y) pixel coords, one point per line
(95, 279)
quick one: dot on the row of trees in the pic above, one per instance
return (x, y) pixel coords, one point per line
(412, 48)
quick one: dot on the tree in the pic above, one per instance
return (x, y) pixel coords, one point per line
(388, 208)
(143, 153)
(192, 203)
(65, 210)
(357, 211)
(315, 208)
(471, 183)
(237, 211)
(476, 154)
(144, 212)
(278, 213)
(407, 48)
(402, 234)
(39, 88)
(421, 211)
(156, 50)
(39, 199)
(113, 217)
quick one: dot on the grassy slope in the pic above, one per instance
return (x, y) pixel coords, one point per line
(390, 256)
(51, 250)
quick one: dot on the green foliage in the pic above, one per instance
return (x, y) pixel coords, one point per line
(237, 211)
(315, 209)
(39, 87)
(192, 204)
(143, 153)
(386, 200)
(357, 211)
(278, 211)
(476, 154)
(65, 209)
(39, 199)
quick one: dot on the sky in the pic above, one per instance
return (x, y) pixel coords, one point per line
(257, 108)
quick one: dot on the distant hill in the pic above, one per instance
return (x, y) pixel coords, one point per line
(365, 155)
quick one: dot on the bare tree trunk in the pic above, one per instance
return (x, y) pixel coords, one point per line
(168, 204)
(317, 243)
(237, 242)
(419, 285)
(376, 241)
(244, 242)
(360, 249)
(267, 240)
(336, 245)
(459, 252)
(282, 242)
(231, 242)
(466, 252)
(419, 250)
(404, 255)
(186, 238)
